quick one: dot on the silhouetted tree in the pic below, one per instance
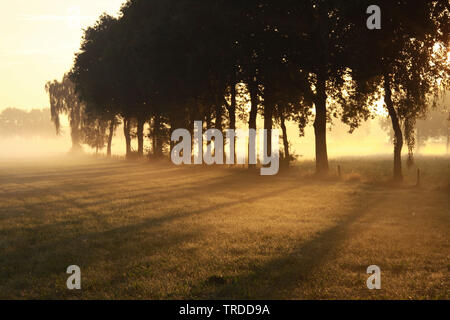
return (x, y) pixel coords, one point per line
(405, 61)
(95, 132)
(64, 100)
(98, 76)
(169, 63)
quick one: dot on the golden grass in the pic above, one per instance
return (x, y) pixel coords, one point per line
(154, 231)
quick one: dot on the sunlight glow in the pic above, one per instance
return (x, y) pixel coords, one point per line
(40, 45)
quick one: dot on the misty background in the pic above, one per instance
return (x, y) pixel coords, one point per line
(31, 133)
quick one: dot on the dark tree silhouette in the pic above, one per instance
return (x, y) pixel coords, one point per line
(95, 132)
(97, 75)
(169, 63)
(405, 61)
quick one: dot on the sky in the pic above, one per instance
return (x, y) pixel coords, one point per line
(38, 40)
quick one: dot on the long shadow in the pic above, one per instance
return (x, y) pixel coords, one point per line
(44, 260)
(60, 179)
(91, 171)
(155, 193)
(278, 277)
(204, 183)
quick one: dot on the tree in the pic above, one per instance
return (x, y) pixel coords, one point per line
(21, 123)
(317, 33)
(435, 125)
(95, 132)
(97, 75)
(64, 100)
(169, 63)
(405, 61)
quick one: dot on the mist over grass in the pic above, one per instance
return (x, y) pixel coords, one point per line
(368, 140)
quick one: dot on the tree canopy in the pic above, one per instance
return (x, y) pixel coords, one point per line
(169, 63)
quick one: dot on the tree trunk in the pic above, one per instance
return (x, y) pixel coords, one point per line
(175, 123)
(448, 132)
(208, 123)
(127, 134)
(110, 138)
(140, 136)
(287, 156)
(268, 124)
(398, 138)
(171, 143)
(219, 123)
(232, 115)
(253, 90)
(157, 137)
(75, 132)
(320, 126)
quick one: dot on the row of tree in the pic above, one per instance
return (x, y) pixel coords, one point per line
(20, 123)
(169, 63)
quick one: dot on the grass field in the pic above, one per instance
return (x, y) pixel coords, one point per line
(154, 231)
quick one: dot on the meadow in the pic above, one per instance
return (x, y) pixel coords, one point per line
(151, 230)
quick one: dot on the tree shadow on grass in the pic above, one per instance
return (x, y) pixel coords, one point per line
(29, 253)
(233, 180)
(40, 259)
(129, 191)
(277, 278)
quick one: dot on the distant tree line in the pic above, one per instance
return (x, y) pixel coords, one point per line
(169, 63)
(21, 123)
(435, 124)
